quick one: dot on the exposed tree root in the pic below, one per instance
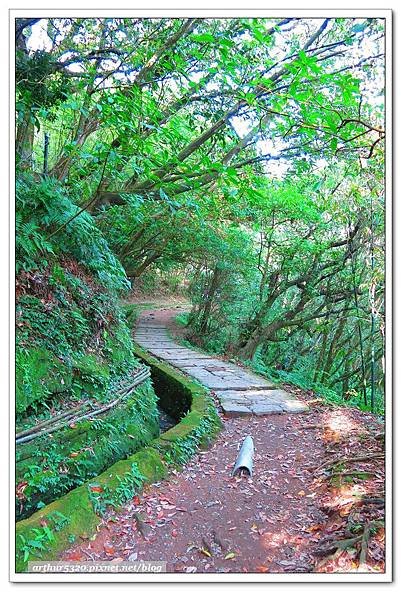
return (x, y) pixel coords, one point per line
(334, 545)
(333, 463)
(349, 474)
(378, 501)
(334, 548)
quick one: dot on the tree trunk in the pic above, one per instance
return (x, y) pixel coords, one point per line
(207, 307)
(24, 142)
(248, 350)
(333, 349)
(86, 126)
(322, 352)
(144, 265)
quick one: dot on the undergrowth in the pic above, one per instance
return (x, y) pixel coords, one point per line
(181, 450)
(50, 466)
(73, 345)
(304, 380)
(302, 377)
(104, 498)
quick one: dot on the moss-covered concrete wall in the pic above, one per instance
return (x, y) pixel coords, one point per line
(52, 529)
(172, 389)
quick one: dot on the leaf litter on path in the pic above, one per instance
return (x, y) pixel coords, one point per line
(273, 523)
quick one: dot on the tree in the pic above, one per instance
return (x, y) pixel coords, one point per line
(248, 152)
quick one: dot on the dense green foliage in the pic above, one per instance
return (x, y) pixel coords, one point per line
(71, 336)
(45, 206)
(77, 514)
(305, 304)
(73, 346)
(241, 159)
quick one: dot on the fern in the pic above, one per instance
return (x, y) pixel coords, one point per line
(30, 244)
(42, 208)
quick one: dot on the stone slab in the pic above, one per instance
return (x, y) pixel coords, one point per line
(154, 338)
(167, 354)
(159, 345)
(148, 342)
(226, 381)
(295, 407)
(240, 392)
(155, 342)
(151, 326)
(151, 330)
(231, 409)
(262, 402)
(155, 345)
(191, 362)
(272, 396)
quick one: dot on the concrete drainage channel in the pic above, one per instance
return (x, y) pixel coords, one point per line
(76, 515)
(166, 422)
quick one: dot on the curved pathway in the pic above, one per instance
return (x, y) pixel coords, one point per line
(203, 520)
(239, 391)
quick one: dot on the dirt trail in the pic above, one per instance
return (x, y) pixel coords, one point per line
(204, 520)
(245, 525)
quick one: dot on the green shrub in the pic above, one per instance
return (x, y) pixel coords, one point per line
(90, 374)
(52, 465)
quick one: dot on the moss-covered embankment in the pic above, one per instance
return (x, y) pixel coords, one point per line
(75, 515)
(74, 352)
(51, 465)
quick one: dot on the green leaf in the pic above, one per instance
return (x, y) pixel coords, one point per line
(260, 36)
(203, 37)
(333, 144)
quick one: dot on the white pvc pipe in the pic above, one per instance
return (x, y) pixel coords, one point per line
(245, 456)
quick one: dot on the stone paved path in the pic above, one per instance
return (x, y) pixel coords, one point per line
(238, 391)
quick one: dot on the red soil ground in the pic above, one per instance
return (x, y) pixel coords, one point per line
(288, 518)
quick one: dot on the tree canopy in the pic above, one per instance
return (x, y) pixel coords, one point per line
(247, 154)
